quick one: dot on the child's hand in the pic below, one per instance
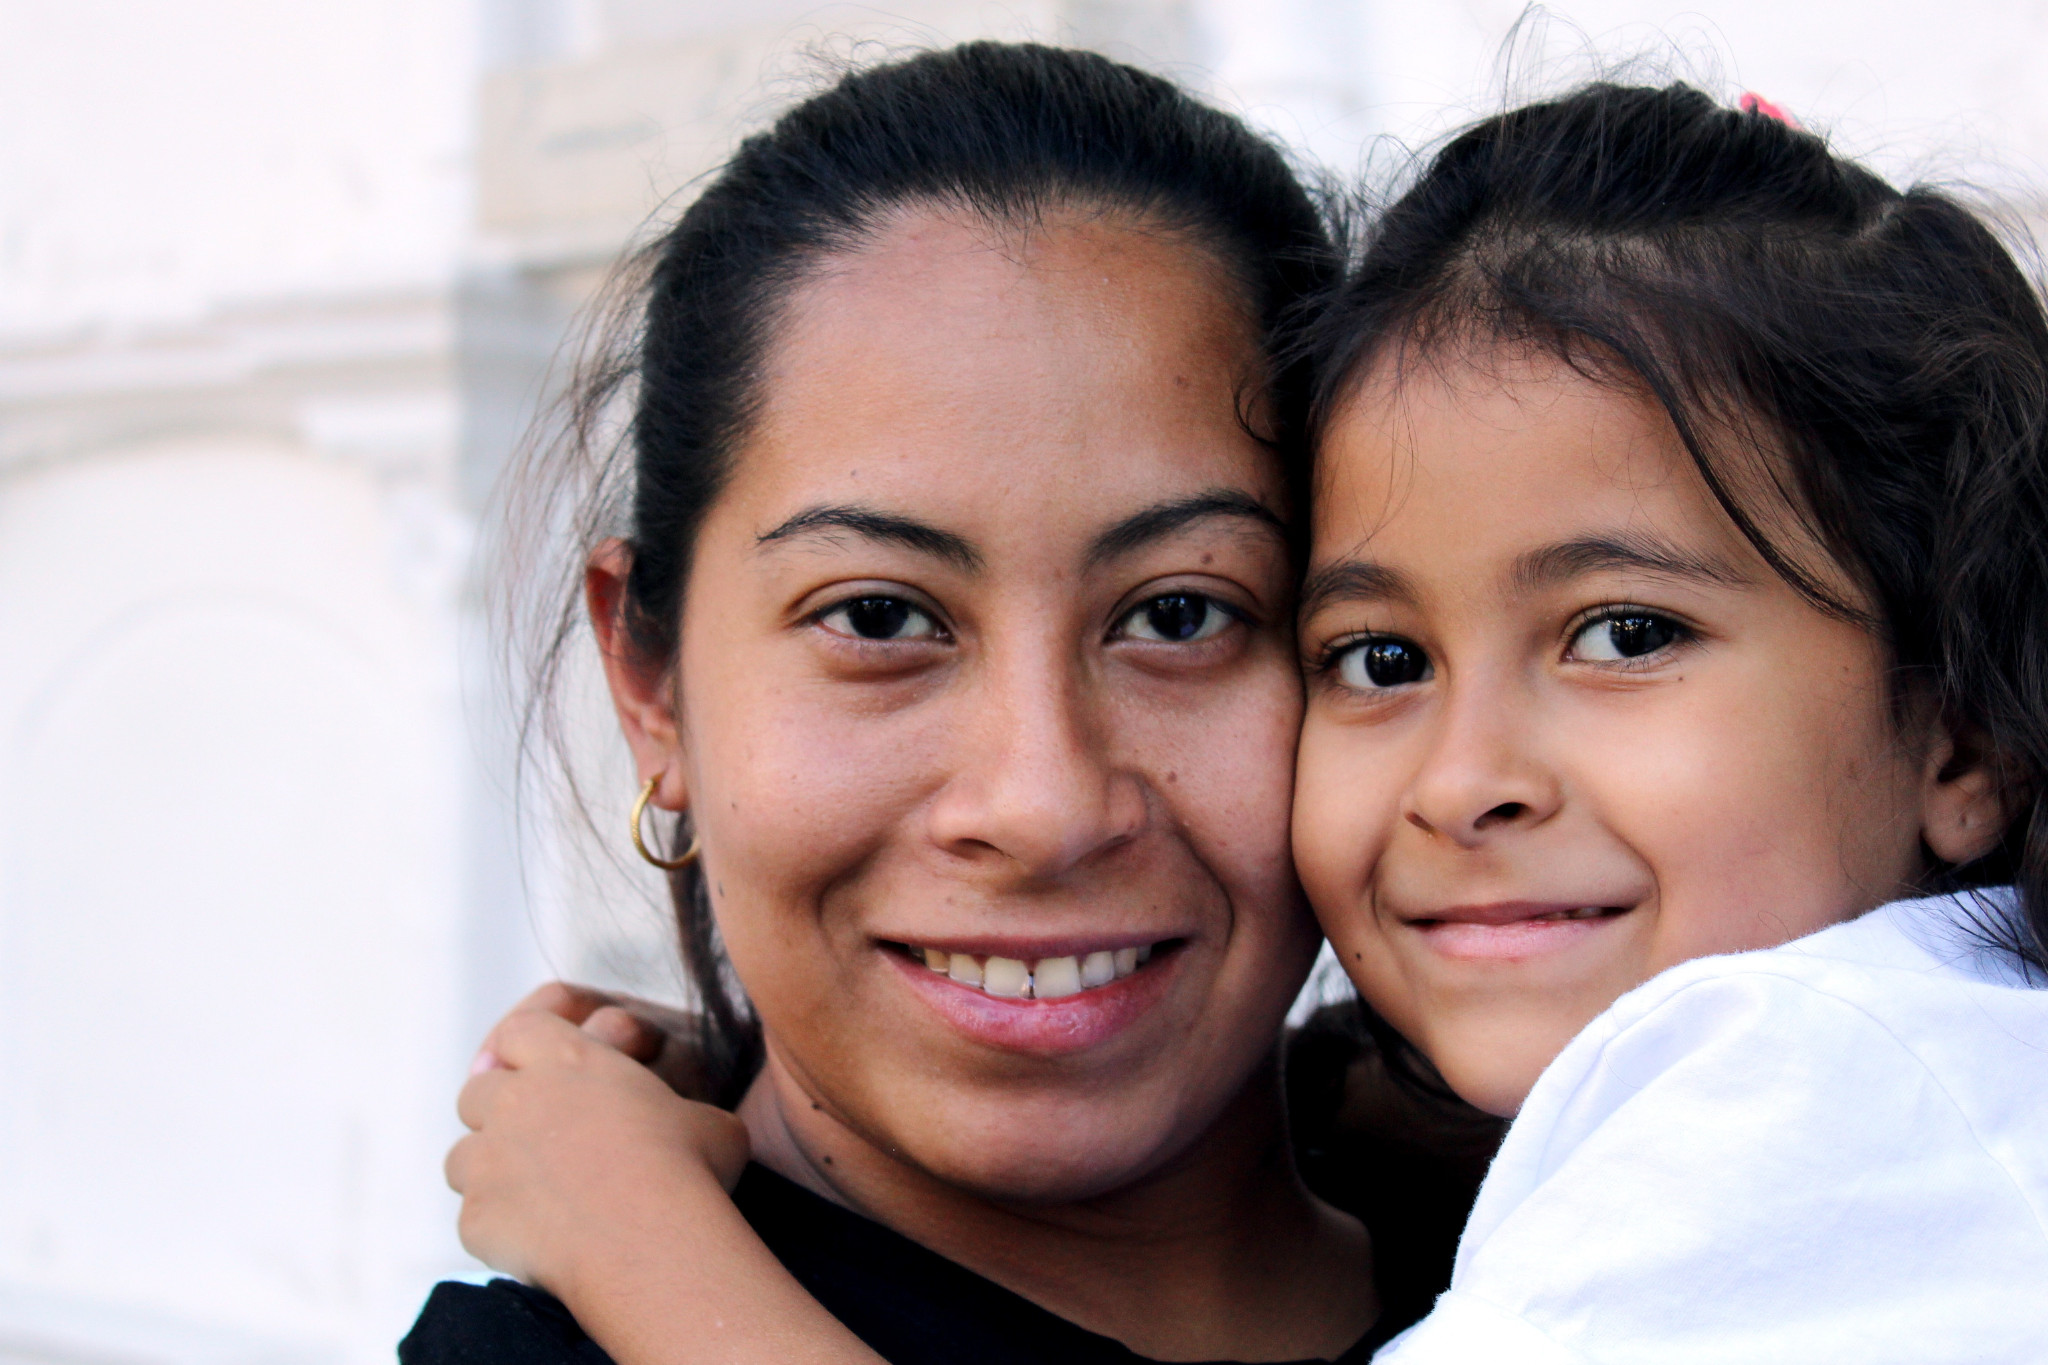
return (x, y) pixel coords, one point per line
(580, 1158)
(666, 1040)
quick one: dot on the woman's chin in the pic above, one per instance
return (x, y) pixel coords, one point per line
(1056, 1149)
(1048, 1172)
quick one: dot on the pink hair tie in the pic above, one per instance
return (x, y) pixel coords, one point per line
(1753, 103)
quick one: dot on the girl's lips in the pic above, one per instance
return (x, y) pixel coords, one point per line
(1044, 1028)
(1511, 930)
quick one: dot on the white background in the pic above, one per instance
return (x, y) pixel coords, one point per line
(277, 281)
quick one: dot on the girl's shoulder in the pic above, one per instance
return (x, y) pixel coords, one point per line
(1914, 988)
(1830, 1150)
(1909, 1012)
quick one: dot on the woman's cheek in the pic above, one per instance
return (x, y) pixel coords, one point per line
(794, 795)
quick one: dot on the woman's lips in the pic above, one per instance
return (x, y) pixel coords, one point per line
(1102, 998)
(1511, 929)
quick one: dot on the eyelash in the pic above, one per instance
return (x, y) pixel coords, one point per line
(1683, 633)
(1228, 614)
(941, 632)
(1327, 661)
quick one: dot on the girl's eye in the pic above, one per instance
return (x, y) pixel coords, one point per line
(1178, 618)
(881, 618)
(1625, 635)
(1370, 665)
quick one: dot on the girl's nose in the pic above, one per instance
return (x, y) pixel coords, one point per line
(1037, 785)
(1480, 777)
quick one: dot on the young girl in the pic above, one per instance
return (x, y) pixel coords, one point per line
(1677, 634)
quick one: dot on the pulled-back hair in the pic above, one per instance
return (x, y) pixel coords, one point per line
(1877, 356)
(1007, 134)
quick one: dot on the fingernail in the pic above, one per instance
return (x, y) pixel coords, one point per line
(486, 1060)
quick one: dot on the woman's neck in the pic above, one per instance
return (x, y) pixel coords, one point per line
(1220, 1254)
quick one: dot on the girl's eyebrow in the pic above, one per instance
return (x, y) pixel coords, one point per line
(1629, 551)
(1353, 580)
(1364, 580)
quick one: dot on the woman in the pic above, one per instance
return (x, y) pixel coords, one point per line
(1632, 750)
(955, 614)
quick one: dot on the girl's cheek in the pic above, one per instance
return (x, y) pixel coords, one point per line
(1343, 801)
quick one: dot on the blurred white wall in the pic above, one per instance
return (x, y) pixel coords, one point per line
(277, 281)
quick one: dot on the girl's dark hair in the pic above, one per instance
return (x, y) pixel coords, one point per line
(1874, 360)
(1007, 134)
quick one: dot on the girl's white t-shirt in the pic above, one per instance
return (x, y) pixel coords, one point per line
(1833, 1150)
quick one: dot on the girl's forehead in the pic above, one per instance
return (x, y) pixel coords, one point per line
(1522, 435)
(1486, 464)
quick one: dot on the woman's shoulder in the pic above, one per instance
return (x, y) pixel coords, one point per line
(500, 1323)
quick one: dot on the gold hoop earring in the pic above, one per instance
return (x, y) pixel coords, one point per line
(689, 855)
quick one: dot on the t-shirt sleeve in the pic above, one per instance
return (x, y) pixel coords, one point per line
(500, 1323)
(1748, 1170)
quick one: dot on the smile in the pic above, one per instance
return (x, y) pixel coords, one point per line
(1063, 998)
(1046, 978)
(1512, 929)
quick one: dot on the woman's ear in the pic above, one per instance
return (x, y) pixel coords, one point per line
(1962, 803)
(641, 693)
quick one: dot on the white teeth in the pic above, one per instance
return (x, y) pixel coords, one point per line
(1007, 977)
(1050, 978)
(1055, 977)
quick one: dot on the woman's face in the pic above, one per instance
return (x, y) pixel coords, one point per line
(1566, 728)
(987, 673)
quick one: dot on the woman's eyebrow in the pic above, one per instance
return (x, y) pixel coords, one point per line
(887, 527)
(1628, 551)
(1164, 518)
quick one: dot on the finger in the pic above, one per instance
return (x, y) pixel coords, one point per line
(567, 1000)
(479, 1095)
(456, 1166)
(537, 1038)
(681, 1024)
(618, 1028)
(722, 1138)
(563, 999)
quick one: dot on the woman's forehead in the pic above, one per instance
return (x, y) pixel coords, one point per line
(946, 375)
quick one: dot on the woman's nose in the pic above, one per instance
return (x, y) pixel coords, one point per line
(1038, 785)
(1480, 776)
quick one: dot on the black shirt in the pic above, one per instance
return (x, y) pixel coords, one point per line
(911, 1305)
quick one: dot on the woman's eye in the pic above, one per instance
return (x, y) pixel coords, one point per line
(1625, 635)
(881, 618)
(1177, 618)
(1370, 665)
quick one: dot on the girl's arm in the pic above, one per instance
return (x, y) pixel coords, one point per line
(585, 1175)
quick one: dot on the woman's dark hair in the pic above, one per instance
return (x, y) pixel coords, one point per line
(1872, 360)
(1007, 134)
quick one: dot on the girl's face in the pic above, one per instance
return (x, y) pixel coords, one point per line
(988, 669)
(1566, 728)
